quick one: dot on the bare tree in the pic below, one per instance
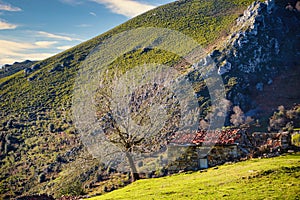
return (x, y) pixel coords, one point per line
(140, 117)
(239, 118)
(215, 111)
(203, 125)
(283, 119)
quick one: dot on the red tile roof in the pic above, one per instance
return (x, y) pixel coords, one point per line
(223, 137)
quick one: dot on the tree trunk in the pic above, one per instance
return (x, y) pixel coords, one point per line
(134, 175)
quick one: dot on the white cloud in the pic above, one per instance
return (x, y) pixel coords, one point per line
(22, 57)
(92, 13)
(72, 2)
(5, 25)
(64, 47)
(12, 51)
(55, 36)
(14, 48)
(83, 25)
(8, 7)
(45, 44)
(128, 8)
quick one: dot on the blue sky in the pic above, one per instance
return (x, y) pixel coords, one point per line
(37, 29)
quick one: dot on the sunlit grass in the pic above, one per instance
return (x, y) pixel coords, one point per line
(274, 178)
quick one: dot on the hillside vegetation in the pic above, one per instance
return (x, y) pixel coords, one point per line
(273, 178)
(40, 149)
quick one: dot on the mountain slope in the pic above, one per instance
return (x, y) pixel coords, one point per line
(263, 57)
(40, 148)
(8, 70)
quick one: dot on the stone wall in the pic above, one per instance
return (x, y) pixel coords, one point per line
(266, 143)
(187, 158)
(182, 158)
(221, 154)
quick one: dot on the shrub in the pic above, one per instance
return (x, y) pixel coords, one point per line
(51, 128)
(7, 148)
(10, 124)
(296, 139)
(140, 164)
(72, 189)
(42, 178)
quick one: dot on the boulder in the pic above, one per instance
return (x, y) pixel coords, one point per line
(224, 68)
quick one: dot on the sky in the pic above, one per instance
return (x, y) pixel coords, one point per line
(37, 29)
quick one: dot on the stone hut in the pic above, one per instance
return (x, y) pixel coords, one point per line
(204, 149)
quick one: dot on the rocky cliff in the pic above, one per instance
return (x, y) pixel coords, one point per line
(263, 55)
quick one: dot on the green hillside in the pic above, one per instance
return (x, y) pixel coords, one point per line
(272, 178)
(40, 149)
(205, 21)
(51, 88)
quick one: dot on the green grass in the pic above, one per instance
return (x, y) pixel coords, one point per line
(273, 178)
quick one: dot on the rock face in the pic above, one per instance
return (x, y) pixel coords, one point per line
(261, 47)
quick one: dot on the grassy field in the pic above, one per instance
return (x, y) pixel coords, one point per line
(273, 178)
